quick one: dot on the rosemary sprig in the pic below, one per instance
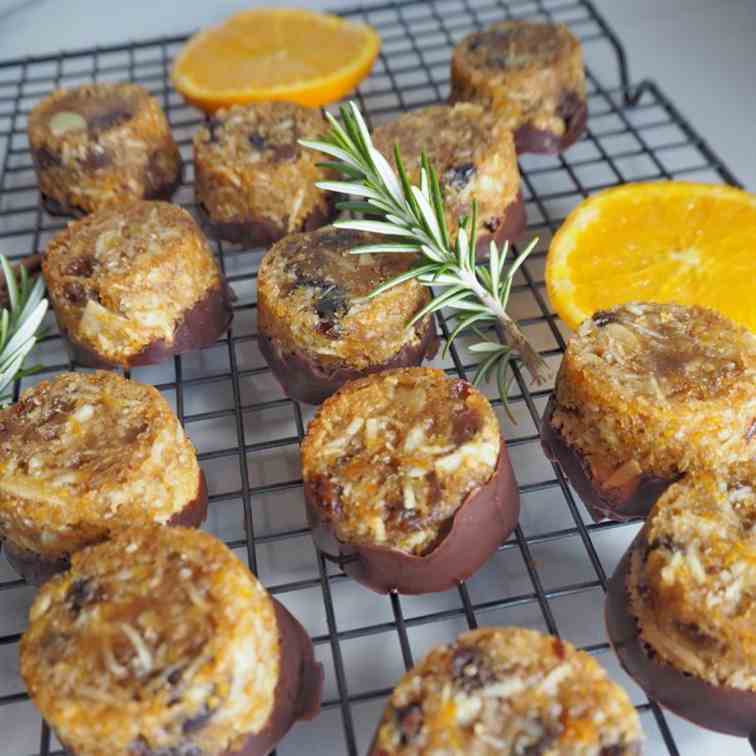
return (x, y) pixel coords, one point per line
(19, 323)
(478, 293)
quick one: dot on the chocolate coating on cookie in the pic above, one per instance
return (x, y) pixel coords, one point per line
(83, 455)
(161, 641)
(530, 75)
(473, 154)
(101, 144)
(647, 393)
(632, 497)
(406, 475)
(254, 182)
(135, 285)
(317, 326)
(680, 605)
(508, 691)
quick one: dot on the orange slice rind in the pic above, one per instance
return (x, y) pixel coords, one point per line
(275, 54)
(669, 241)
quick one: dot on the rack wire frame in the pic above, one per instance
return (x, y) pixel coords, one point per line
(628, 138)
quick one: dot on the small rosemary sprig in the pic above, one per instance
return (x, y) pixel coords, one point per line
(19, 323)
(478, 293)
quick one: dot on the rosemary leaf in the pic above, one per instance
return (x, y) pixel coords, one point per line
(20, 323)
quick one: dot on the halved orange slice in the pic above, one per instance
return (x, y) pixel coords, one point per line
(657, 242)
(275, 54)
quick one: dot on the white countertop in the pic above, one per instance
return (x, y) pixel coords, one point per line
(701, 53)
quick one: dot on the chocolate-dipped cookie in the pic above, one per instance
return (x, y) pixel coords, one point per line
(473, 154)
(645, 394)
(408, 480)
(318, 329)
(135, 285)
(508, 692)
(101, 144)
(83, 455)
(531, 76)
(253, 181)
(681, 606)
(162, 642)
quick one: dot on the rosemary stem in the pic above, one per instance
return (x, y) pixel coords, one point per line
(507, 329)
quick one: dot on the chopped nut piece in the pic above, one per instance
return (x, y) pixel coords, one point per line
(64, 121)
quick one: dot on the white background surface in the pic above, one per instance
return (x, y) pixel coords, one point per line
(702, 54)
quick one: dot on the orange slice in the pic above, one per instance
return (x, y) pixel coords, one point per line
(660, 242)
(275, 54)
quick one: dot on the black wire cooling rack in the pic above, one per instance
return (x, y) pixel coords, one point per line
(552, 574)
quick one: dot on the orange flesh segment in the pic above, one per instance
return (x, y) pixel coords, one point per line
(658, 242)
(275, 54)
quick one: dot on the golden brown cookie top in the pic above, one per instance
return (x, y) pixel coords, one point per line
(469, 148)
(667, 353)
(391, 457)
(85, 451)
(697, 572)
(91, 110)
(519, 45)
(260, 134)
(157, 640)
(508, 691)
(124, 276)
(313, 294)
(658, 388)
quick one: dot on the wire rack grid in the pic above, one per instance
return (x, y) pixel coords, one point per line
(551, 575)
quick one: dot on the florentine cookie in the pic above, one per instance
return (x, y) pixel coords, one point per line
(681, 605)
(254, 182)
(83, 455)
(530, 75)
(101, 144)
(407, 470)
(645, 394)
(317, 326)
(134, 285)
(473, 154)
(162, 642)
(508, 692)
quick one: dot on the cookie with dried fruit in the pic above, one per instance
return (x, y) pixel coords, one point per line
(505, 692)
(83, 455)
(101, 144)
(647, 393)
(472, 152)
(318, 327)
(161, 641)
(135, 285)
(253, 181)
(681, 606)
(531, 76)
(408, 481)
